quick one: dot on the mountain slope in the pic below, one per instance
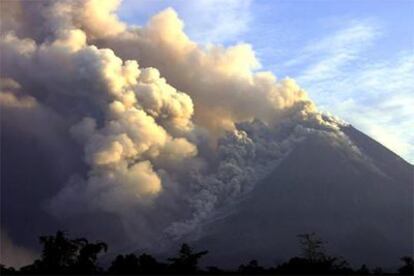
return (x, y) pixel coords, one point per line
(363, 208)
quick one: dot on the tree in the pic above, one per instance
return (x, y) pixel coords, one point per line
(124, 265)
(87, 255)
(61, 255)
(149, 265)
(58, 255)
(215, 270)
(251, 268)
(378, 271)
(312, 247)
(314, 260)
(187, 261)
(7, 270)
(131, 264)
(363, 270)
(408, 267)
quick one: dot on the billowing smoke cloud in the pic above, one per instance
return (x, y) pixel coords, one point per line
(171, 132)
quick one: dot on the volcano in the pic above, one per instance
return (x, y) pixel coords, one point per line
(143, 138)
(361, 208)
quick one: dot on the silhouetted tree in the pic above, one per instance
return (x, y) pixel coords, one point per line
(363, 270)
(339, 265)
(131, 264)
(87, 255)
(297, 265)
(408, 267)
(58, 255)
(314, 260)
(215, 270)
(7, 270)
(251, 268)
(378, 271)
(124, 265)
(312, 247)
(149, 265)
(187, 261)
(61, 255)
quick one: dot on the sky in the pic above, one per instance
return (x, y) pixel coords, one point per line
(354, 58)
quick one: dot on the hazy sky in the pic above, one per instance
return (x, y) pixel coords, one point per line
(355, 58)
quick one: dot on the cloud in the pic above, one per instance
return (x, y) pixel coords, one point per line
(387, 87)
(231, 18)
(229, 23)
(330, 54)
(375, 97)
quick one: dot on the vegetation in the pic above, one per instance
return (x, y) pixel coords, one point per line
(61, 255)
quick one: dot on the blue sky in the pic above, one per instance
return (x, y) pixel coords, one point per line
(355, 58)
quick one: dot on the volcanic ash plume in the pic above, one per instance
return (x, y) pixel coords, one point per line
(169, 132)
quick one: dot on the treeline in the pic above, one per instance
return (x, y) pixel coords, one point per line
(61, 255)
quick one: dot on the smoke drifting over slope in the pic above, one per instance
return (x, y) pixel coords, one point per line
(169, 132)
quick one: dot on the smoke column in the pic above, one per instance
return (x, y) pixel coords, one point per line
(163, 134)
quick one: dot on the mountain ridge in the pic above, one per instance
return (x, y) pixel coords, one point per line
(365, 215)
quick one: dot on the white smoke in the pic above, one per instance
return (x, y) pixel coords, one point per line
(168, 128)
